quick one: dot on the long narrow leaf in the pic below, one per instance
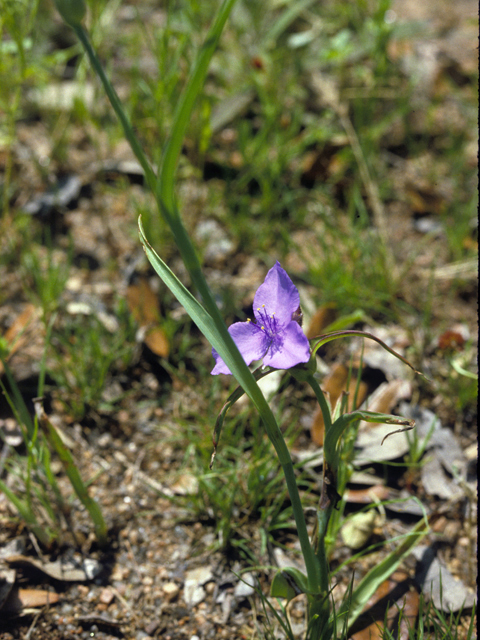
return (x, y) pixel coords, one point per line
(73, 474)
(380, 572)
(333, 435)
(233, 359)
(346, 333)
(17, 403)
(27, 515)
(165, 182)
(192, 306)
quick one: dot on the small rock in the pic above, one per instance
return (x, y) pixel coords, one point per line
(106, 596)
(152, 627)
(357, 530)
(170, 590)
(218, 245)
(245, 587)
(193, 591)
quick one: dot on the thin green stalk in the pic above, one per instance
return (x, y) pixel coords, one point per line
(166, 181)
(215, 330)
(24, 509)
(117, 106)
(73, 474)
(320, 608)
(325, 409)
(165, 199)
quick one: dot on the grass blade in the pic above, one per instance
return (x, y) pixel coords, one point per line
(374, 578)
(73, 474)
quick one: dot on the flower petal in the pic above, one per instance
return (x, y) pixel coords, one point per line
(251, 341)
(279, 295)
(290, 348)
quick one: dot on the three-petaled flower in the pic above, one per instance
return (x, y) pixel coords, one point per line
(276, 336)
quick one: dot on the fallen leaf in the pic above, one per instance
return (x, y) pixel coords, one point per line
(395, 594)
(366, 496)
(451, 340)
(320, 320)
(67, 571)
(335, 383)
(157, 341)
(449, 594)
(143, 304)
(21, 599)
(373, 355)
(371, 435)
(385, 398)
(409, 608)
(16, 335)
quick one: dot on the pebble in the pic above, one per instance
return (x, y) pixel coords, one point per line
(170, 590)
(245, 587)
(106, 596)
(193, 592)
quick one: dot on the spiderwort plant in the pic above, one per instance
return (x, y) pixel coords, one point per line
(275, 337)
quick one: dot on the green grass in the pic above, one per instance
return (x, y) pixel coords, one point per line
(243, 496)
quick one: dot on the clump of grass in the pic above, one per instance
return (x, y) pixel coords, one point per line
(243, 495)
(85, 352)
(32, 487)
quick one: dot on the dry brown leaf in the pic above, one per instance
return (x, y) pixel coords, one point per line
(16, 335)
(385, 398)
(372, 632)
(20, 599)
(335, 384)
(66, 571)
(157, 341)
(368, 495)
(320, 320)
(451, 340)
(409, 606)
(143, 304)
(397, 593)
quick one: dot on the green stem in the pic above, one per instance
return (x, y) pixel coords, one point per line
(322, 401)
(321, 607)
(166, 182)
(117, 107)
(163, 189)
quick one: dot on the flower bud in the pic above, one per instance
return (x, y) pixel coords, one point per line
(297, 316)
(72, 11)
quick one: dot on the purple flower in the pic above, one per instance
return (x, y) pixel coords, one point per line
(276, 336)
